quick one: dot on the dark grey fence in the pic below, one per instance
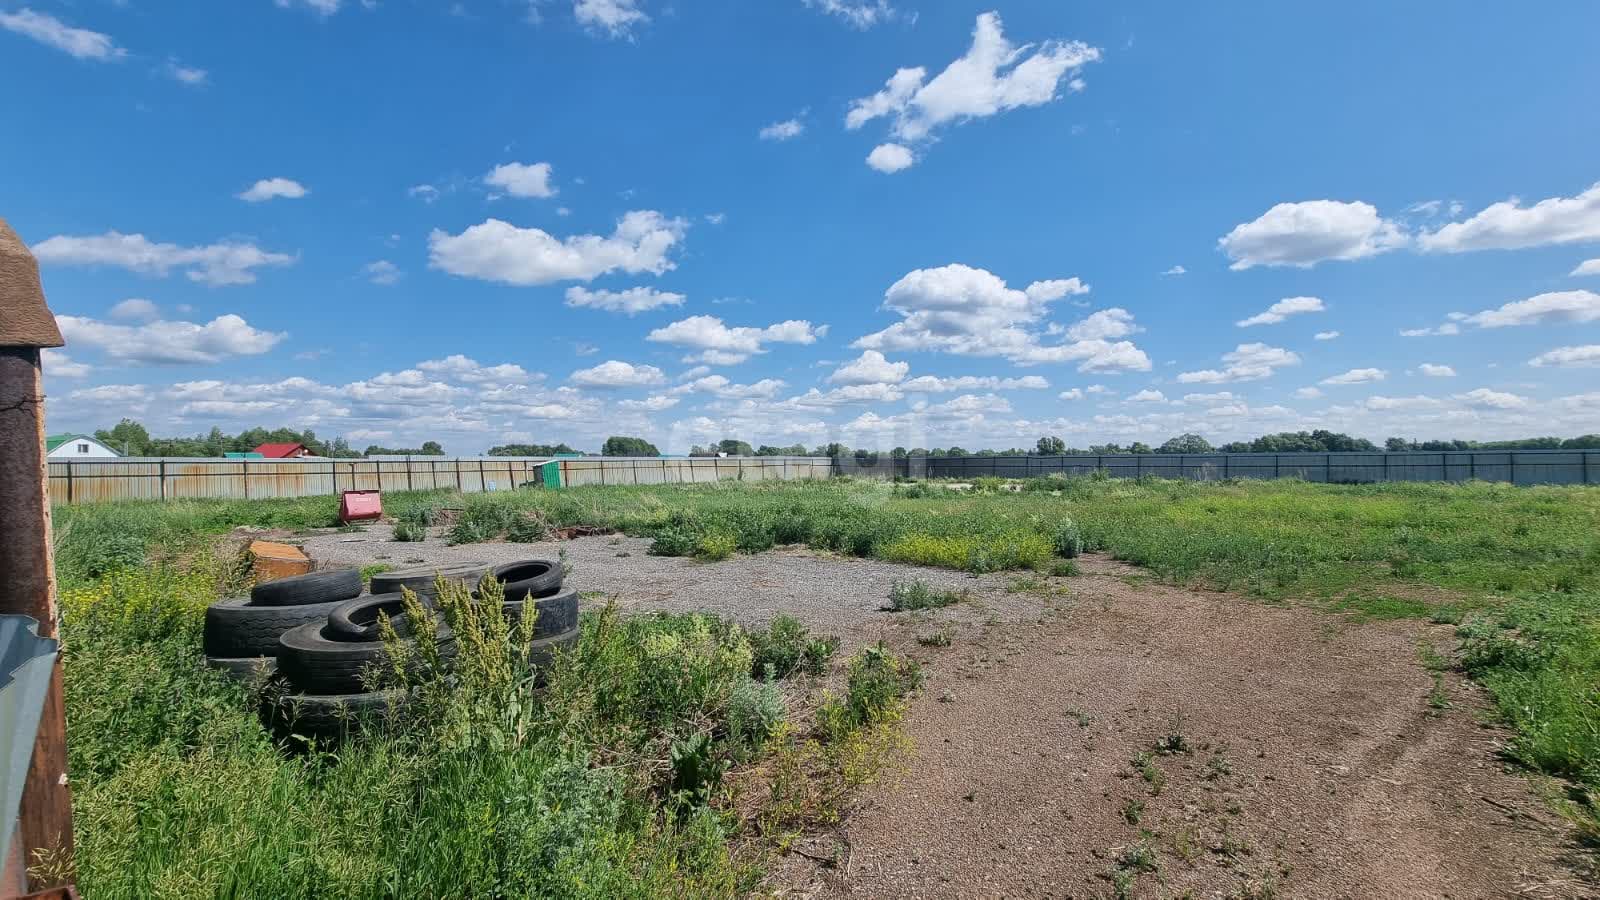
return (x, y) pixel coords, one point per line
(1514, 466)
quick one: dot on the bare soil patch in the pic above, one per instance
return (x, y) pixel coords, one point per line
(1311, 761)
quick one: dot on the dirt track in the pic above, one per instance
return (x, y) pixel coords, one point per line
(1313, 763)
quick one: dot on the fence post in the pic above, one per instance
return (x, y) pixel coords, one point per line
(1277, 466)
(1138, 466)
(246, 469)
(1385, 467)
(162, 479)
(70, 467)
(408, 474)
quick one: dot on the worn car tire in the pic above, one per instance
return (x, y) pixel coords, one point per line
(244, 668)
(529, 577)
(314, 664)
(421, 579)
(334, 716)
(357, 620)
(237, 627)
(558, 614)
(308, 589)
(544, 650)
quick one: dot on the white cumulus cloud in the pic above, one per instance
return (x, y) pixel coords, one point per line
(1325, 335)
(1247, 362)
(1587, 267)
(79, 43)
(783, 131)
(521, 179)
(499, 251)
(1586, 356)
(890, 158)
(1357, 376)
(1484, 398)
(223, 263)
(1434, 370)
(1508, 225)
(720, 345)
(1304, 234)
(272, 189)
(618, 374)
(1283, 309)
(613, 18)
(161, 341)
(992, 77)
(870, 368)
(1542, 309)
(860, 14)
(968, 311)
(631, 301)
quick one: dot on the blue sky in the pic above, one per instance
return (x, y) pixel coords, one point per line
(877, 221)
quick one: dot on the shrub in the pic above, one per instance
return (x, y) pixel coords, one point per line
(755, 711)
(878, 680)
(715, 545)
(410, 531)
(776, 649)
(1068, 539)
(819, 650)
(786, 646)
(916, 594)
(1064, 568)
(529, 528)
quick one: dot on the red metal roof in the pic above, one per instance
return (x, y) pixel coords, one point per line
(280, 451)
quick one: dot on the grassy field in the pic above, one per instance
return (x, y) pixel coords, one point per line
(617, 780)
(180, 793)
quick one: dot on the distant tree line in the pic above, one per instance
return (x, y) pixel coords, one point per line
(428, 448)
(1583, 442)
(530, 450)
(133, 439)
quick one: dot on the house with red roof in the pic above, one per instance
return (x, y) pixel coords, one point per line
(282, 451)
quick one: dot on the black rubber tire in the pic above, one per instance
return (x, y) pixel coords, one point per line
(543, 652)
(420, 579)
(529, 577)
(304, 590)
(558, 614)
(357, 620)
(237, 628)
(316, 665)
(333, 716)
(244, 668)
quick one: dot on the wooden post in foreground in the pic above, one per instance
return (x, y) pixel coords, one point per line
(27, 569)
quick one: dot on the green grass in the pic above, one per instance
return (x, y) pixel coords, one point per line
(906, 596)
(608, 783)
(1518, 569)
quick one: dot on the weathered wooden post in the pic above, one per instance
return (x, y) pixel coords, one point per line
(27, 569)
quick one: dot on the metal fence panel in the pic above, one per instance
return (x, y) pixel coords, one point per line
(91, 481)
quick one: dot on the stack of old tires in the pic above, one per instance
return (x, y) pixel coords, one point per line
(241, 633)
(320, 635)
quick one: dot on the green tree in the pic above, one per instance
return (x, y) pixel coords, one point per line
(530, 450)
(1186, 443)
(620, 445)
(1050, 445)
(127, 437)
(734, 447)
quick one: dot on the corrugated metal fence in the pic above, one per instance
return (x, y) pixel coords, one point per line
(651, 470)
(1514, 466)
(87, 481)
(129, 478)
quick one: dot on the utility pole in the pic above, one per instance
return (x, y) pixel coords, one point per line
(27, 569)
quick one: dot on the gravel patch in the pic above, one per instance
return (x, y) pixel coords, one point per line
(1313, 763)
(830, 594)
